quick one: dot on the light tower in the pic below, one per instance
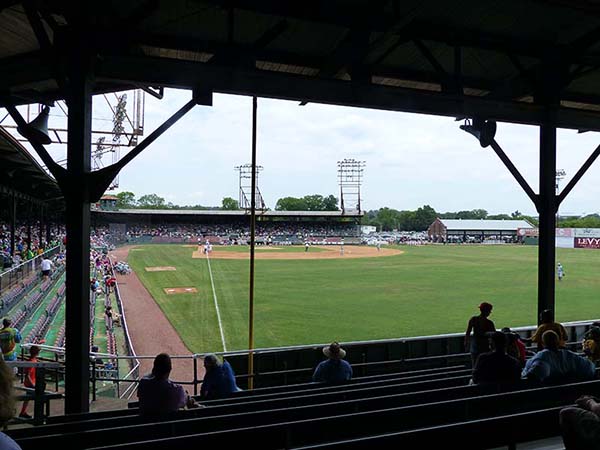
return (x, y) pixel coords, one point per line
(350, 172)
(116, 124)
(245, 192)
(560, 174)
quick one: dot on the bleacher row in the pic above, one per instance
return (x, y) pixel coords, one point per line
(60, 337)
(16, 294)
(412, 409)
(111, 342)
(39, 330)
(20, 317)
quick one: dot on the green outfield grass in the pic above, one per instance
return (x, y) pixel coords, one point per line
(427, 290)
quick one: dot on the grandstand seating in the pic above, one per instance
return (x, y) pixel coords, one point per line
(289, 416)
(60, 337)
(394, 405)
(16, 294)
(472, 435)
(295, 423)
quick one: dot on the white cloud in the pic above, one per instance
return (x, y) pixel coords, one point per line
(411, 159)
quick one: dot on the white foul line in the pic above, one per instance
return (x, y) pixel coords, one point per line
(212, 283)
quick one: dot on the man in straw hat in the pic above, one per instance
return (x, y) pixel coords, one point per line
(335, 369)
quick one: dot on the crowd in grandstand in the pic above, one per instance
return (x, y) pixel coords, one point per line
(25, 250)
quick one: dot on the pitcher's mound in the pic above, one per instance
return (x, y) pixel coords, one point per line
(180, 290)
(160, 268)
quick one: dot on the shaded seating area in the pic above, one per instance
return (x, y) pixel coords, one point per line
(397, 408)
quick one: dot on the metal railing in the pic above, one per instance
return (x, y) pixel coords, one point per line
(135, 363)
(19, 273)
(446, 349)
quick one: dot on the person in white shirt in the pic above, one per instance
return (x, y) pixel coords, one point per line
(560, 272)
(46, 267)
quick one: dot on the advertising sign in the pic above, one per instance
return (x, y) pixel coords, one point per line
(564, 232)
(587, 232)
(587, 242)
(528, 232)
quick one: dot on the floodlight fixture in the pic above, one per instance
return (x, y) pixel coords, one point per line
(483, 130)
(37, 129)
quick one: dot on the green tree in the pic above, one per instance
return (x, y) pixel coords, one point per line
(151, 201)
(313, 202)
(290, 204)
(330, 203)
(126, 200)
(479, 214)
(424, 217)
(388, 219)
(406, 220)
(229, 204)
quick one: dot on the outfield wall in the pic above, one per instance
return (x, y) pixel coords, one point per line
(578, 238)
(570, 238)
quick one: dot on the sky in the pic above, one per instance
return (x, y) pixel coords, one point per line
(411, 159)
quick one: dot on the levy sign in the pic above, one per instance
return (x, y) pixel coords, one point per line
(587, 242)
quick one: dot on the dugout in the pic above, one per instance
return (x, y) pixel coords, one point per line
(481, 61)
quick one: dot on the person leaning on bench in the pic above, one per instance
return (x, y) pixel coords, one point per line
(219, 379)
(159, 395)
(555, 364)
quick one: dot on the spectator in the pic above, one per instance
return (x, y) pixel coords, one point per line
(159, 395)
(591, 343)
(108, 318)
(99, 361)
(9, 338)
(548, 323)
(554, 364)
(480, 325)
(7, 405)
(219, 379)
(46, 267)
(496, 366)
(515, 347)
(29, 381)
(580, 426)
(335, 369)
(111, 281)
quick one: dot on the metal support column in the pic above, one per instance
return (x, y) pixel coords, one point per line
(549, 95)
(29, 219)
(252, 248)
(41, 229)
(547, 210)
(48, 229)
(13, 222)
(75, 188)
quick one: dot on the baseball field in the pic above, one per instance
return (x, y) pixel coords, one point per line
(318, 296)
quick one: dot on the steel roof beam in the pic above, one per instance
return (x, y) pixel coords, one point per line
(183, 74)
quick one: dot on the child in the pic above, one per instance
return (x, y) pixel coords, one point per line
(29, 381)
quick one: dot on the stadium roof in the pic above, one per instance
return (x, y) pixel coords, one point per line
(485, 225)
(21, 172)
(462, 58)
(236, 213)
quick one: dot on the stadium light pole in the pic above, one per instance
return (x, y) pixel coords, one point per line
(252, 244)
(560, 174)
